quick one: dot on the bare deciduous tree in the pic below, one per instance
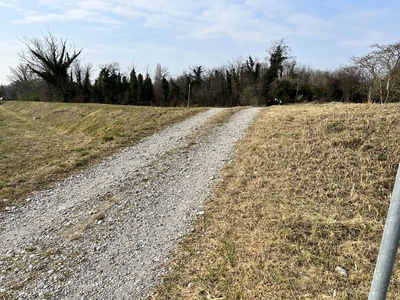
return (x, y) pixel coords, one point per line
(50, 59)
(159, 74)
(383, 66)
(21, 74)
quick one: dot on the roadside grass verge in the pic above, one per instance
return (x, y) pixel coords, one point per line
(43, 142)
(223, 117)
(307, 192)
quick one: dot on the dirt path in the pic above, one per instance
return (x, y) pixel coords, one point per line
(105, 233)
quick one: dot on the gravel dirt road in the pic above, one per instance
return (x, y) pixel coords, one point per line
(106, 232)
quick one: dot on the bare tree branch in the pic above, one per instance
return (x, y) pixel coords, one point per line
(50, 60)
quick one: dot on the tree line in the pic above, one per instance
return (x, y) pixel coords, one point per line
(50, 71)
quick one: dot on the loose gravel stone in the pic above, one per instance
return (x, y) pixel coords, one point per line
(105, 233)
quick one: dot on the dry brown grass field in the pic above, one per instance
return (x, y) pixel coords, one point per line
(43, 142)
(307, 191)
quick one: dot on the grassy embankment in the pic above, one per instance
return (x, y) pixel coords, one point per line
(307, 192)
(43, 142)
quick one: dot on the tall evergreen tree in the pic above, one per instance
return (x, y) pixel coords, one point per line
(125, 90)
(140, 90)
(197, 78)
(229, 88)
(86, 87)
(165, 88)
(133, 88)
(252, 70)
(148, 89)
(108, 84)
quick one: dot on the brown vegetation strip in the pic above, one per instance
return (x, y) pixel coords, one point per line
(308, 192)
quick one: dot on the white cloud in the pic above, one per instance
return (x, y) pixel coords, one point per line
(251, 21)
(308, 25)
(8, 4)
(59, 12)
(368, 37)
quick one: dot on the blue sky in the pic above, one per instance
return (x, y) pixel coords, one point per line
(182, 34)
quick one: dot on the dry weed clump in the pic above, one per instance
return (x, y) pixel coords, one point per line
(308, 192)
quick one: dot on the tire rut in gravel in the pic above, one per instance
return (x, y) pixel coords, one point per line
(105, 233)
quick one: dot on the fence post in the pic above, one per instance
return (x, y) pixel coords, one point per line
(388, 248)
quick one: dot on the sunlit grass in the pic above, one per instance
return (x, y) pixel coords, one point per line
(308, 191)
(42, 142)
